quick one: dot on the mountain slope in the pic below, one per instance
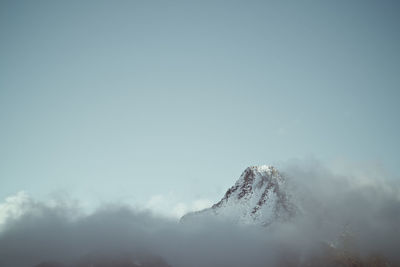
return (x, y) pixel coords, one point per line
(258, 197)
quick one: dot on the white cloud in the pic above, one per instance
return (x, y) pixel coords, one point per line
(13, 207)
(201, 204)
(168, 205)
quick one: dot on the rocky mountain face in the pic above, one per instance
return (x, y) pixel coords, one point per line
(259, 196)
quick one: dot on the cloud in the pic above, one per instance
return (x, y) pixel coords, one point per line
(13, 207)
(336, 210)
(169, 206)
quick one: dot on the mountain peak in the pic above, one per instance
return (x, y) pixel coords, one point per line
(262, 168)
(258, 196)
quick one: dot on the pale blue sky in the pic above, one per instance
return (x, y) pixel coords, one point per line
(124, 100)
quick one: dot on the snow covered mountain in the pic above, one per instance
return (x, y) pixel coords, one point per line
(258, 197)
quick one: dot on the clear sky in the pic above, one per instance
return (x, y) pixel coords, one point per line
(140, 101)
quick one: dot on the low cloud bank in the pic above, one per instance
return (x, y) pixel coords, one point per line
(358, 215)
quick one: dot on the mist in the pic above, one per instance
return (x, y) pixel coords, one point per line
(356, 213)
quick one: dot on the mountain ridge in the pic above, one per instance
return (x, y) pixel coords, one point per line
(259, 196)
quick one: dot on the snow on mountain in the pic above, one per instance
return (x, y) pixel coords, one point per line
(259, 196)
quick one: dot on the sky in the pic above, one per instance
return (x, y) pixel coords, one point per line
(164, 103)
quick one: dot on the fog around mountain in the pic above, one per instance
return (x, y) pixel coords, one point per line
(356, 214)
(120, 118)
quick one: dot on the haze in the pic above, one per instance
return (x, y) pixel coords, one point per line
(158, 107)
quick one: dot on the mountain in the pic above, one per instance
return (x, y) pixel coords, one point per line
(259, 196)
